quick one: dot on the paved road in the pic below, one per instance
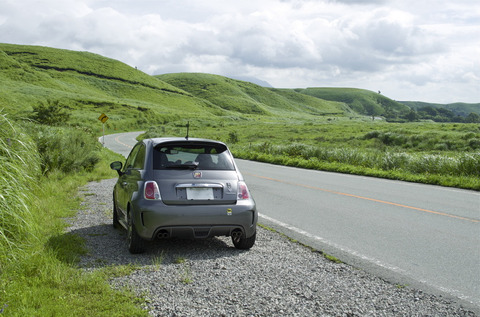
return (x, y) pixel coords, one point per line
(420, 235)
(120, 143)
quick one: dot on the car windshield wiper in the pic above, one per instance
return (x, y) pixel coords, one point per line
(183, 166)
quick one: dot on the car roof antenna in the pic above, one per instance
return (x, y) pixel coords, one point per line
(188, 128)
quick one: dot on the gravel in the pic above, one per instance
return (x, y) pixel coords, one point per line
(277, 277)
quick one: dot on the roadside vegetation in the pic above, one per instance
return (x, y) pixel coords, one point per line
(49, 107)
(38, 272)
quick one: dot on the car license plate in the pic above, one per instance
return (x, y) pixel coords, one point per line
(199, 193)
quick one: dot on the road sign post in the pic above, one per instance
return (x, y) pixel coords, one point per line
(103, 118)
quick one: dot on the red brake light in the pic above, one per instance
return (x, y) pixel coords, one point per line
(243, 191)
(151, 190)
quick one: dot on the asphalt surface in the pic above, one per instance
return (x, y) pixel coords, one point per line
(411, 234)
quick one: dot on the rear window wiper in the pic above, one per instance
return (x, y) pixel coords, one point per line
(183, 166)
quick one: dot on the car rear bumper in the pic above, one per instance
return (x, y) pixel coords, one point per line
(154, 219)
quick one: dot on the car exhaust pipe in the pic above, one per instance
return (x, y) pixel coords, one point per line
(163, 234)
(237, 234)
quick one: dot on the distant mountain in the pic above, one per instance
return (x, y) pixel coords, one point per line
(253, 80)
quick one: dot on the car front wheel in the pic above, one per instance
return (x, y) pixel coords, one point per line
(243, 243)
(134, 242)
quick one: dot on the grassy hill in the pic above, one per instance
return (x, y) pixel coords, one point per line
(249, 99)
(458, 108)
(362, 101)
(88, 84)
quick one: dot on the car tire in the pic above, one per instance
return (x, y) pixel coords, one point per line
(243, 243)
(135, 243)
(116, 223)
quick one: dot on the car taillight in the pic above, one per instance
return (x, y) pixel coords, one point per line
(243, 191)
(151, 190)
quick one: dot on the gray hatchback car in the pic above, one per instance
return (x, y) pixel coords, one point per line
(183, 188)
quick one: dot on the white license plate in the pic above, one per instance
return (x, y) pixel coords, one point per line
(199, 193)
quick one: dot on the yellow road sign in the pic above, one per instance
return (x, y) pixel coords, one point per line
(103, 117)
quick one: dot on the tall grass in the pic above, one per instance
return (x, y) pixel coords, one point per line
(20, 168)
(430, 168)
(38, 272)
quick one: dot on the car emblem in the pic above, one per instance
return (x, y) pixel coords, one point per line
(197, 174)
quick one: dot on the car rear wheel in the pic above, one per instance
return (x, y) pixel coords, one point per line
(243, 243)
(134, 242)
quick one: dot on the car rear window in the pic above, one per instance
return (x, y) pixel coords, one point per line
(205, 156)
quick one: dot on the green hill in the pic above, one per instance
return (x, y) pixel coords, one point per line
(88, 84)
(458, 108)
(360, 100)
(250, 99)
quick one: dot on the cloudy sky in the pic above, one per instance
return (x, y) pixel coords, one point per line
(422, 50)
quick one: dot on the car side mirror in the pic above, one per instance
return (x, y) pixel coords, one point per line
(117, 166)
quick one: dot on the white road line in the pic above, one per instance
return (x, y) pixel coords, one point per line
(334, 245)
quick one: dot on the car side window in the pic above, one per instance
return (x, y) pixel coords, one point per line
(131, 158)
(140, 158)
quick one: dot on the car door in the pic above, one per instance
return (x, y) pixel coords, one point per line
(128, 182)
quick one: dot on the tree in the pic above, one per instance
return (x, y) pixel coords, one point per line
(473, 118)
(412, 115)
(431, 111)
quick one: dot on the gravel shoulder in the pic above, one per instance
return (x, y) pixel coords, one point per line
(277, 277)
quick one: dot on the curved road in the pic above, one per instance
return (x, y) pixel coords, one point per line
(411, 234)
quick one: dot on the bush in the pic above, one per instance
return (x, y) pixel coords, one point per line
(50, 114)
(65, 149)
(474, 143)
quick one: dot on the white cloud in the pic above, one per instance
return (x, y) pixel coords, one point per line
(412, 49)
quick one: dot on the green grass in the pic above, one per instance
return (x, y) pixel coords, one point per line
(38, 272)
(43, 280)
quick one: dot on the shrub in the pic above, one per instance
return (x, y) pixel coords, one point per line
(371, 135)
(232, 137)
(50, 114)
(65, 149)
(474, 143)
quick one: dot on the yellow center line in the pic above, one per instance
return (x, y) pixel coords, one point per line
(120, 142)
(366, 198)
